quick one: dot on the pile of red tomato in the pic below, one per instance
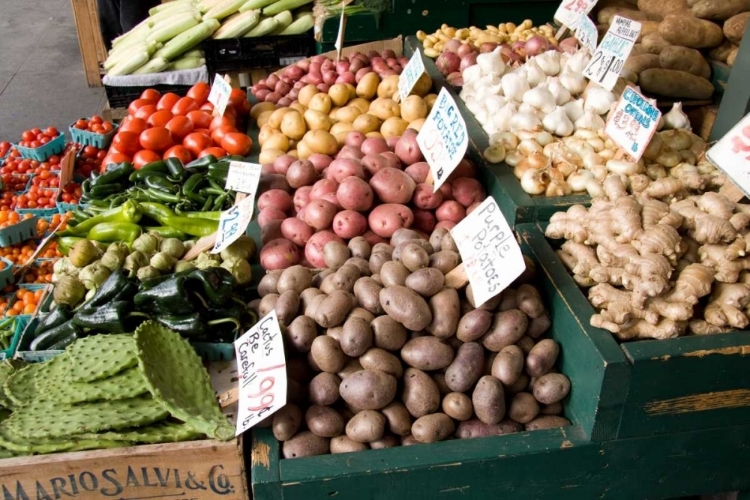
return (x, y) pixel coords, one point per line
(37, 137)
(88, 160)
(96, 125)
(165, 126)
(36, 197)
(4, 148)
(71, 193)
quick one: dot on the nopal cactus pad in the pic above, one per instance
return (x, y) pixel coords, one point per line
(23, 446)
(21, 385)
(7, 368)
(51, 420)
(177, 379)
(100, 356)
(160, 432)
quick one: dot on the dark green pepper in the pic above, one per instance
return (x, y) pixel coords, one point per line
(61, 314)
(175, 169)
(158, 166)
(64, 343)
(114, 173)
(152, 282)
(213, 284)
(201, 163)
(54, 335)
(187, 325)
(109, 289)
(161, 183)
(168, 297)
(190, 186)
(219, 172)
(108, 318)
(104, 190)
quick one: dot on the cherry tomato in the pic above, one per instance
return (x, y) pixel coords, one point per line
(51, 132)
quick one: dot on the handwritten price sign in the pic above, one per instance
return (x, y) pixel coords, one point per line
(219, 95)
(243, 177)
(262, 367)
(233, 224)
(586, 33)
(491, 256)
(610, 56)
(633, 123)
(731, 154)
(569, 12)
(443, 139)
(411, 75)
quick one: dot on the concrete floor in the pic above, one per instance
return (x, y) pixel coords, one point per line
(42, 82)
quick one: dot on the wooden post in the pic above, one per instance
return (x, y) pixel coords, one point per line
(89, 39)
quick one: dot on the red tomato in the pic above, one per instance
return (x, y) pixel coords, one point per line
(151, 95)
(51, 132)
(126, 142)
(145, 112)
(133, 124)
(180, 152)
(144, 157)
(203, 131)
(236, 143)
(218, 134)
(82, 124)
(114, 158)
(167, 101)
(220, 121)
(184, 106)
(156, 139)
(200, 118)
(207, 107)
(180, 126)
(160, 118)
(217, 152)
(138, 104)
(97, 119)
(196, 142)
(199, 92)
(28, 135)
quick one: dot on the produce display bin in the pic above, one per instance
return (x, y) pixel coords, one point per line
(21, 231)
(18, 327)
(86, 138)
(241, 54)
(6, 273)
(674, 385)
(517, 205)
(53, 147)
(121, 97)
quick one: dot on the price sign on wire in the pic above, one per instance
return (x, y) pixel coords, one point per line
(261, 365)
(633, 122)
(731, 154)
(233, 224)
(569, 12)
(491, 256)
(410, 75)
(443, 139)
(219, 95)
(586, 33)
(243, 177)
(610, 56)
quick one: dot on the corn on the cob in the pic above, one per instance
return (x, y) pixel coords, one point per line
(193, 53)
(117, 56)
(282, 5)
(223, 9)
(139, 32)
(264, 27)
(301, 25)
(255, 4)
(186, 63)
(206, 5)
(169, 6)
(129, 64)
(170, 28)
(283, 19)
(238, 25)
(189, 39)
(166, 14)
(155, 65)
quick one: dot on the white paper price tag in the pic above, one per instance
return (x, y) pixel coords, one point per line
(610, 56)
(219, 95)
(410, 75)
(261, 366)
(233, 224)
(731, 154)
(586, 33)
(491, 256)
(243, 177)
(569, 12)
(443, 139)
(632, 123)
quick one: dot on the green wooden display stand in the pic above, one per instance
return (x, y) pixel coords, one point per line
(735, 103)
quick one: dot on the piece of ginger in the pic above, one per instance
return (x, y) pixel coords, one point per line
(728, 300)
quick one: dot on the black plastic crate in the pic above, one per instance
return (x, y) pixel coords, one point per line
(240, 54)
(121, 97)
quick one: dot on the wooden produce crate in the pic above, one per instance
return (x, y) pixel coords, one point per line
(517, 205)
(682, 384)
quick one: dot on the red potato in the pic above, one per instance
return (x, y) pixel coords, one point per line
(347, 224)
(296, 231)
(392, 186)
(322, 188)
(408, 150)
(275, 198)
(268, 214)
(465, 168)
(301, 173)
(319, 161)
(279, 254)
(315, 245)
(372, 238)
(267, 168)
(271, 231)
(392, 160)
(450, 210)
(355, 194)
(273, 181)
(319, 214)
(374, 145)
(301, 214)
(425, 198)
(418, 171)
(445, 224)
(373, 163)
(354, 139)
(342, 168)
(392, 141)
(331, 197)
(424, 220)
(467, 191)
(302, 197)
(472, 207)
(350, 152)
(385, 219)
(446, 189)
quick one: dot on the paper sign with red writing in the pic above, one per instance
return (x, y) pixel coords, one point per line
(233, 224)
(569, 11)
(610, 56)
(633, 122)
(731, 154)
(410, 75)
(586, 33)
(490, 253)
(443, 139)
(219, 95)
(261, 366)
(243, 177)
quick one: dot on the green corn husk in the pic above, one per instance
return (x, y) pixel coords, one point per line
(265, 27)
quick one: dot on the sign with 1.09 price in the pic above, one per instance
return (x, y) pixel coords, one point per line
(633, 122)
(607, 62)
(233, 224)
(261, 366)
(443, 139)
(569, 12)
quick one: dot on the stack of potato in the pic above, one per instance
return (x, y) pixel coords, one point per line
(676, 37)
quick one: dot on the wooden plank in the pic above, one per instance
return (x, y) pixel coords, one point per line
(87, 34)
(93, 14)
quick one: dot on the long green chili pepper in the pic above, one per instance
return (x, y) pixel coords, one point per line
(214, 215)
(129, 211)
(157, 211)
(115, 231)
(208, 204)
(192, 226)
(161, 183)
